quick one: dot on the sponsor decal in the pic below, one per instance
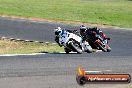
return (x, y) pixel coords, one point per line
(83, 77)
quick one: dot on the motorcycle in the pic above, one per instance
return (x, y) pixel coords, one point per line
(71, 41)
(101, 42)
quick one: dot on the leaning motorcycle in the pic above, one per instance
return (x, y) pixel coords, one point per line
(71, 41)
(101, 42)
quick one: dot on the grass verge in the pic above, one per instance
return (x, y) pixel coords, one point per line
(15, 47)
(111, 12)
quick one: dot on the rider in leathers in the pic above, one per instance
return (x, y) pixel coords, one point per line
(90, 33)
(57, 34)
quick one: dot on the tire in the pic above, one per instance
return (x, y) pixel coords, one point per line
(108, 49)
(75, 47)
(101, 47)
(67, 50)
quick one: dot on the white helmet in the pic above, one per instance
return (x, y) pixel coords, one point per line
(57, 30)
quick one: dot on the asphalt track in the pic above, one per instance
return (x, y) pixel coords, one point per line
(58, 70)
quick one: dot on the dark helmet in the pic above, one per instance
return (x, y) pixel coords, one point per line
(83, 28)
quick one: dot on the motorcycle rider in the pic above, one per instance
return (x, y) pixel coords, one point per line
(58, 30)
(85, 46)
(90, 33)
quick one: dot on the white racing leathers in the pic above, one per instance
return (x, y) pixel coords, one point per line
(73, 42)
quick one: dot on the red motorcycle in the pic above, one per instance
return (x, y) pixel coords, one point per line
(101, 42)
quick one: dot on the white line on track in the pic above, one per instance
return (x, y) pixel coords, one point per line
(22, 54)
(99, 51)
(76, 52)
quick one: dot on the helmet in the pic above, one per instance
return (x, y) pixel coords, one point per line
(82, 29)
(57, 30)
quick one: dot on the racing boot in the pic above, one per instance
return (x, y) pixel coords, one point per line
(87, 47)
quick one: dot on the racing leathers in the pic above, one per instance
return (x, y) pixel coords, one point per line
(91, 34)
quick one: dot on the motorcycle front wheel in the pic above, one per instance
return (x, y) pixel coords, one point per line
(108, 49)
(101, 47)
(75, 47)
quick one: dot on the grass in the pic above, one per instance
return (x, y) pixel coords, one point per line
(15, 47)
(111, 12)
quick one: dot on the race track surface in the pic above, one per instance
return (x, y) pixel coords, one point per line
(58, 70)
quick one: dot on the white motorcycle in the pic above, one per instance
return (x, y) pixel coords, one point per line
(71, 41)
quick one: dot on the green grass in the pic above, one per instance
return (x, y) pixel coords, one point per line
(13, 47)
(112, 12)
